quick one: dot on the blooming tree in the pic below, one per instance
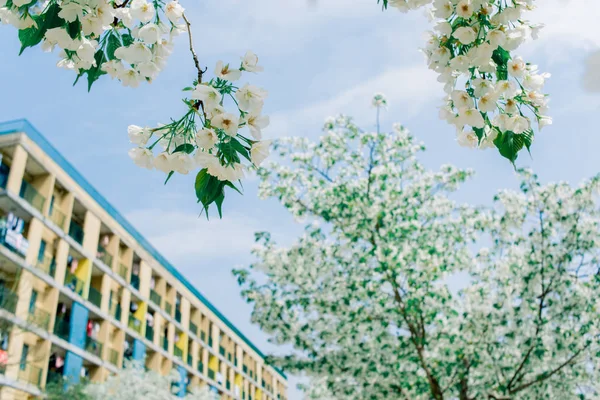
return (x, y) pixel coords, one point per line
(492, 95)
(382, 296)
(130, 40)
(133, 382)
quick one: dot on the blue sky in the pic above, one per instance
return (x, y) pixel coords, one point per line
(321, 57)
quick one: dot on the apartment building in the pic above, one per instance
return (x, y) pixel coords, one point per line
(81, 291)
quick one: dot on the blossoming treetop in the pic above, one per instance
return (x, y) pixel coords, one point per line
(368, 295)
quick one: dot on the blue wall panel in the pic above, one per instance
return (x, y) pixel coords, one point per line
(139, 351)
(78, 324)
(72, 368)
(182, 379)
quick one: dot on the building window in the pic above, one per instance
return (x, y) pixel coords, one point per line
(24, 355)
(33, 300)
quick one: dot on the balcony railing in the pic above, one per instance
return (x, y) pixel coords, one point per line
(149, 333)
(93, 346)
(95, 297)
(31, 374)
(39, 317)
(155, 297)
(58, 217)
(8, 300)
(76, 232)
(168, 308)
(178, 315)
(104, 256)
(177, 352)
(74, 283)
(32, 196)
(135, 324)
(211, 374)
(61, 328)
(113, 356)
(194, 328)
(122, 271)
(47, 263)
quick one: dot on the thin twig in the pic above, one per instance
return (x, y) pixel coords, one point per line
(194, 55)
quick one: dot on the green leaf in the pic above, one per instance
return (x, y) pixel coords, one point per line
(384, 3)
(96, 72)
(185, 148)
(33, 36)
(241, 149)
(219, 203)
(501, 57)
(509, 144)
(127, 39)
(112, 44)
(74, 29)
(169, 176)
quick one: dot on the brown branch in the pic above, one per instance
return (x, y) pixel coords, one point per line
(548, 375)
(194, 55)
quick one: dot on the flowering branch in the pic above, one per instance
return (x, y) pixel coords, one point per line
(130, 41)
(471, 47)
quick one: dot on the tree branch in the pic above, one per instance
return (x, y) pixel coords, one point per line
(194, 55)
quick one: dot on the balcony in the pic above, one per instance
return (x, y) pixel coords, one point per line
(30, 374)
(200, 367)
(235, 362)
(8, 300)
(58, 217)
(165, 343)
(104, 256)
(32, 196)
(211, 374)
(47, 263)
(190, 360)
(203, 336)
(245, 369)
(4, 170)
(222, 351)
(227, 385)
(177, 315)
(210, 342)
(39, 317)
(95, 297)
(149, 333)
(115, 311)
(74, 283)
(15, 241)
(155, 297)
(93, 346)
(122, 271)
(177, 352)
(168, 308)
(194, 328)
(135, 324)
(76, 232)
(61, 328)
(113, 356)
(135, 281)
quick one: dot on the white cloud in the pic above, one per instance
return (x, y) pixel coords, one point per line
(183, 236)
(407, 89)
(591, 77)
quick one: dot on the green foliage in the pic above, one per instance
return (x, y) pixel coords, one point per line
(61, 390)
(509, 143)
(210, 189)
(31, 37)
(501, 58)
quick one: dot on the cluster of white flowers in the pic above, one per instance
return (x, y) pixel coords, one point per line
(209, 136)
(492, 95)
(127, 39)
(382, 296)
